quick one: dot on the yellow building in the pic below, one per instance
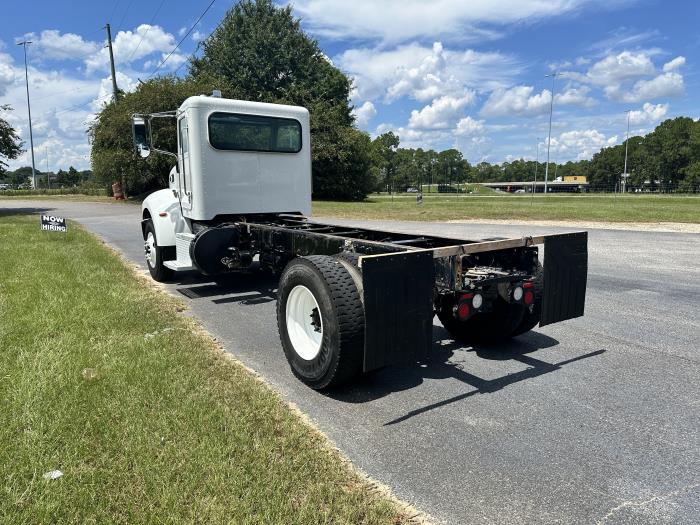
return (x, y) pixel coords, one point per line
(575, 178)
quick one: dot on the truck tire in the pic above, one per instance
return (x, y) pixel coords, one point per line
(155, 255)
(321, 321)
(488, 328)
(531, 319)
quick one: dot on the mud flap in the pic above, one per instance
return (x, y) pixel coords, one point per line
(565, 275)
(398, 297)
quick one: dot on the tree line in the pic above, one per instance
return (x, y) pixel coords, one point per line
(668, 158)
(70, 178)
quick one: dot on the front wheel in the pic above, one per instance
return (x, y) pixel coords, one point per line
(155, 255)
(321, 322)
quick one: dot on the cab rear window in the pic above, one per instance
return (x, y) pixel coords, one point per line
(240, 132)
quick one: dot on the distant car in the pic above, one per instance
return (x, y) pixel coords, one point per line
(519, 191)
(5, 186)
(412, 190)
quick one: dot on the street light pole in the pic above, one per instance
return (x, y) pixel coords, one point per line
(549, 138)
(627, 140)
(537, 164)
(24, 44)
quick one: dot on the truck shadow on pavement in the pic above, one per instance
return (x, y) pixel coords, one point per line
(246, 288)
(446, 359)
(9, 212)
(442, 365)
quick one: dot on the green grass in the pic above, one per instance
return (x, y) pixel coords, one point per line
(597, 208)
(170, 431)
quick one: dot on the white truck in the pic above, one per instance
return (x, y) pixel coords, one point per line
(350, 300)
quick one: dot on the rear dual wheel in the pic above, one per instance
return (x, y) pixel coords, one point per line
(321, 321)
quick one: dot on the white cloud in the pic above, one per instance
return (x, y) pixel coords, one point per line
(516, 101)
(394, 21)
(417, 138)
(441, 113)
(131, 46)
(59, 110)
(364, 113)
(674, 64)
(198, 36)
(649, 114)
(125, 83)
(581, 144)
(51, 44)
(7, 73)
(575, 96)
(615, 69)
(665, 85)
(632, 77)
(468, 127)
(624, 37)
(63, 104)
(424, 73)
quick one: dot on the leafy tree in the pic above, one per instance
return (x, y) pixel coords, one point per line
(260, 53)
(691, 180)
(113, 157)
(10, 143)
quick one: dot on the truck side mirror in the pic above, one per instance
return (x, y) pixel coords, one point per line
(140, 132)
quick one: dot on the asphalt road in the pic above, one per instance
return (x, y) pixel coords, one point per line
(594, 420)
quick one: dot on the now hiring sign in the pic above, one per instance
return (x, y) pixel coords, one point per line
(51, 223)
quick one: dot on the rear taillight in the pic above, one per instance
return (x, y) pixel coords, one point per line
(463, 310)
(528, 298)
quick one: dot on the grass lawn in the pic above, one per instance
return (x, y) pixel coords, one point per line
(599, 208)
(102, 379)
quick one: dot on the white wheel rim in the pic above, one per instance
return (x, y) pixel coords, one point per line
(304, 322)
(150, 248)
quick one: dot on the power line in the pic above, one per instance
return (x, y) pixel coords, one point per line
(78, 106)
(199, 44)
(182, 39)
(119, 25)
(150, 24)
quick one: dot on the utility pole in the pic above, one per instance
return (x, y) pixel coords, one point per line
(48, 177)
(29, 109)
(549, 139)
(627, 140)
(115, 89)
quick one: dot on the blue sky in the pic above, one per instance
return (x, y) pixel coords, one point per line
(468, 74)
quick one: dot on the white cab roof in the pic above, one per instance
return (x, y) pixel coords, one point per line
(206, 103)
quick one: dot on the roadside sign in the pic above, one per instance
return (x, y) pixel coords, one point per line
(51, 223)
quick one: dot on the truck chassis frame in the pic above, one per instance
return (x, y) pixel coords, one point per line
(403, 279)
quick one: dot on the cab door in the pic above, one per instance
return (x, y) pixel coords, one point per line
(185, 175)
